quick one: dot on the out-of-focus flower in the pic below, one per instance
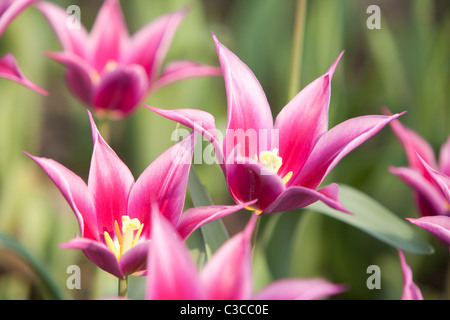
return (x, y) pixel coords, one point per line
(429, 196)
(172, 275)
(410, 290)
(280, 165)
(111, 71)
(114, 210)
(9, 68)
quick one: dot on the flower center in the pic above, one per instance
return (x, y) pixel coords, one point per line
(126, 238)
(271, 160)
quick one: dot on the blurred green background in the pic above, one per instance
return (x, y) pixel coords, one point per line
(404, 66)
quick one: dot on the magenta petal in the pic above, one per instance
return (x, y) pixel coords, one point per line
(148, 47)
(194, 218)
(410, 290)
(198, 120)
(163, 181)
(179, 70)
(108, 35)
(121, 90)
(76, 194)
(444, 158)
(299, 289)
(172, 274)
(98, 253)
(72, 39)
(227, 275)
(429, 200)
(299, 197)
(110, 182)
(441, 180)
(437, 225)
(135, 259)
(335, 144)
(78, 74)
(9, 69)
(248, 108)
(414, 144)
(302, 121)
(12, 9)
(249, 180)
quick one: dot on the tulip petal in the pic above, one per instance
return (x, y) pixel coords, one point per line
(98, 253)
(183, 69)
(299, 289)
(12, 9)
(172, 274)
(76, 193)
(248, 108)
(134, 261)
(164, 181)
(440, 179)
(227, 275)
(110, 182)
(198, 120)
(9, 69)
(249, 180)
(444, 158)
(79, 75)
(148, 47)
(108, 35)
(410, 290)
(194, 218)
(72, 39)
(414, 144)
(120, 90)
(302, 121)
(335, 144)
(296, 197)
(429, 200)
(437, 225)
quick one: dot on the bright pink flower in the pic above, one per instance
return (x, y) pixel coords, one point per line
(110, 70)
(424, 171)
(410, 290)
(9, 68)
(114, 211)
(172, 274)
(280, 164)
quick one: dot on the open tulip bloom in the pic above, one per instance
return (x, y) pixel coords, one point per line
(9, 68)
(429, 180)
(111, 71)
(281, 164)
(114, 210)
(172, 274)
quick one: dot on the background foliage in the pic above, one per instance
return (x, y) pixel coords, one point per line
(404, 65)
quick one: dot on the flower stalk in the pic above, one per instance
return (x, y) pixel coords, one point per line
(123, 288)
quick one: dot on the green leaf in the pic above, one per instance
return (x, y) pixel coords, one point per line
(211, 235)
(36, 265)
(374, 219)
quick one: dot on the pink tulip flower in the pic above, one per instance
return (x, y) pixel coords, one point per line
(429, 198)
(410, 290)
(279, 164)
(428, 178)
(114, 211)
(9, 68)
(172, 274)
(111, 71)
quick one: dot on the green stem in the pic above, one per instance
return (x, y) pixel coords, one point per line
(297, 47)
(123, 288)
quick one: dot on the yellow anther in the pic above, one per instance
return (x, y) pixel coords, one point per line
(111, 65)
(118, 235)
(110, 243)
(257, 212)
(287, 177)
(271, 160)
(125, 237)
(95, 77)
(138, 234)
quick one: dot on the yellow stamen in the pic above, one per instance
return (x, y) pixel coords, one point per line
(95, 77)
(111, 65)
(287, 177)
(110, 243)
(118, 235)
(271, 159)
(257, 212)
(138, 234)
